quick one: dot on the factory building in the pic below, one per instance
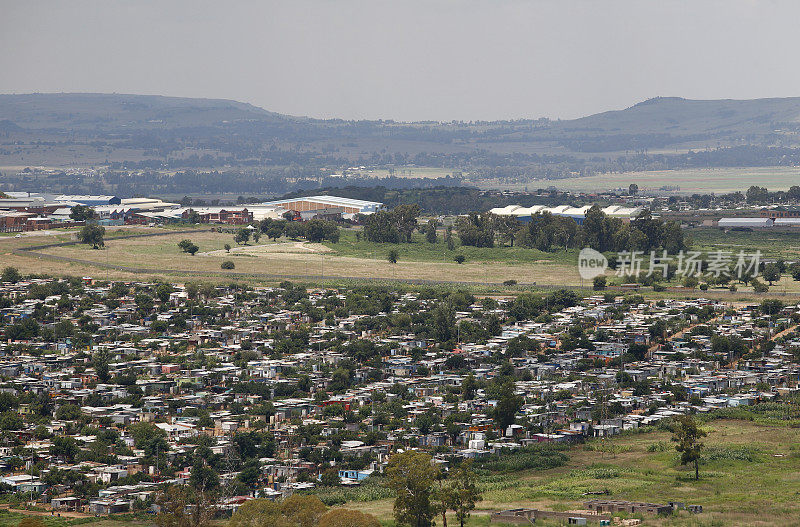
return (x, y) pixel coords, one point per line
(525, 214)
(308, 204)
(750, 223)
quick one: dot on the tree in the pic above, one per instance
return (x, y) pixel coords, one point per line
(82, 213)
(64, 447)
(100, 363)
(330, 478)
(256, 235)
(11, 274)
(508, 404)
(462, 493)
(227, 265)
(406, 217)
(459, 258)
(242, 236)
(183, 506)
(347, 518)
(188, 247)
(469, 387)
(759, 286)
(392, 257)
(599, 283)
(687, 435)
(771, 273)
(303, 511)
(258, 513)
(92, 235)
(476, 229)
(149, 438)
(275, 230)
(794, 269)
(508, 227)
(771, 306)
(411, 475)
(633, 189)
(203, 477)
(227, 247)
(430, 231)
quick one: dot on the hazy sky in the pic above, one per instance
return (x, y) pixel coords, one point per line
(406, 59)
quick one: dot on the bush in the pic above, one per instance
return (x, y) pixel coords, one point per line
(533, 457)
(227, 264)
(11, 274)
(459, 258)
(730, 453)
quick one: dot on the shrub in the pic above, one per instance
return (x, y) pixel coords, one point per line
(227, 264)
(599, 283)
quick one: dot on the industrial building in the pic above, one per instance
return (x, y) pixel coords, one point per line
(750, 223)
(525, 214)
(346, 206)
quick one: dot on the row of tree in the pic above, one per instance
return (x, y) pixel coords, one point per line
(548, 232)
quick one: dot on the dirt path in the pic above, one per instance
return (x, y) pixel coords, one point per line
(784, 332)
(682, 332)
(281, 248)
(64, 514)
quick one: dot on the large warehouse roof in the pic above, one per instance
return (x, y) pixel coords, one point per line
(330, 201)
(615, 211)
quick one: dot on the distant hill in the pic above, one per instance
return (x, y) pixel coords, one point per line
(676, 115)
(82, 111)
(664, 120)
(167, 135)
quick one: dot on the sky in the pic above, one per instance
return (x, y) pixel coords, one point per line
(406, 59)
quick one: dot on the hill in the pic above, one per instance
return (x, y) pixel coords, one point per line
(685, 116)
(269, 153)
(99, 111)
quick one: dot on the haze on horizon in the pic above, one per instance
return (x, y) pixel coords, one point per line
(410, 60)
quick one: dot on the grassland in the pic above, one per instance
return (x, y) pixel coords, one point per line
(690, 181)
(353, 259)
(751, 476)
(162, 257)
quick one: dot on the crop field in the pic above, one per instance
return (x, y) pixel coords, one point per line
(750, 476)
(690, 181)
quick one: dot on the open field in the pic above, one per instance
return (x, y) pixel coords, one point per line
(162, 256)
(772, 243)
(353, 259)
(690, 181)
(751, 478)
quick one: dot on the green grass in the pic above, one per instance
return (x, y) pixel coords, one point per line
(772, 244)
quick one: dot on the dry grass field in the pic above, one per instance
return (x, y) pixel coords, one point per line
(162, 256)
(334, 264)
(690, 181)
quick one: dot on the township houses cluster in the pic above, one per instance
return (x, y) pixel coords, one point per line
(110, 390)
(26, 211)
